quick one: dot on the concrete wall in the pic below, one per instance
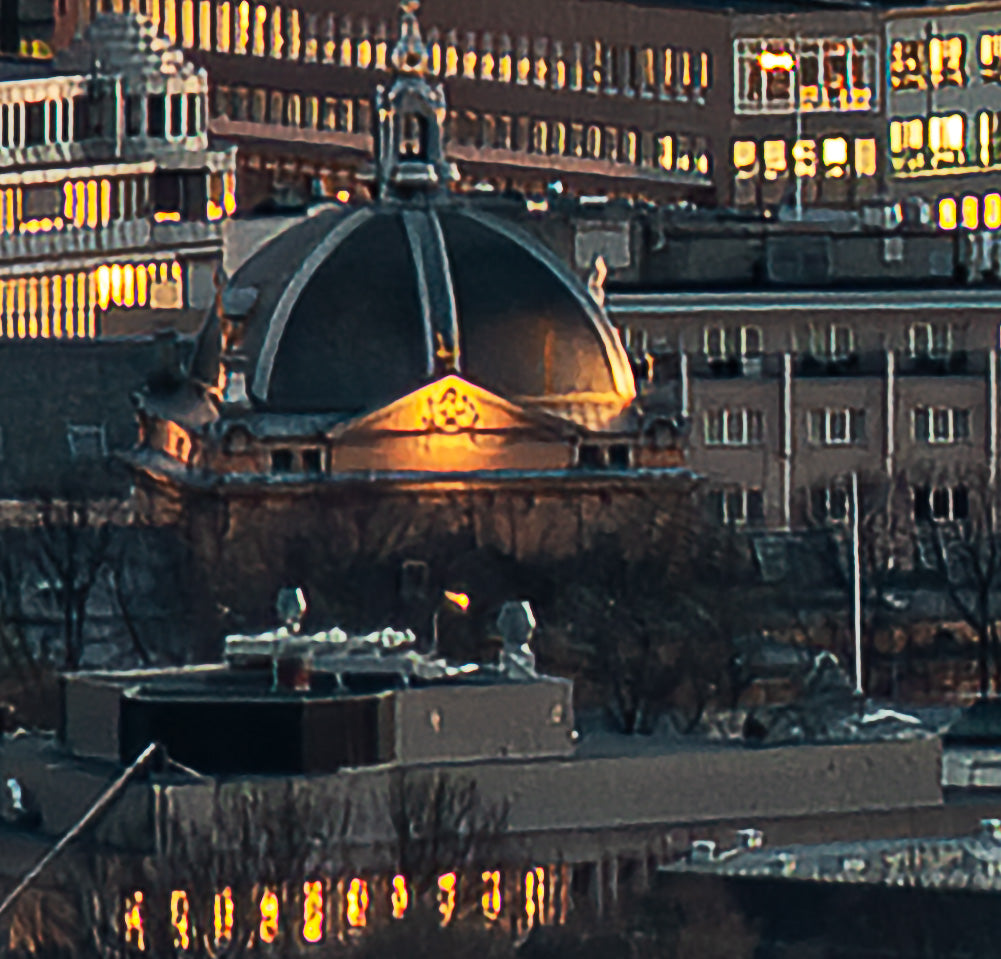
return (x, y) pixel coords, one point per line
(441, 723)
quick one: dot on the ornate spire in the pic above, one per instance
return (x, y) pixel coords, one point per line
(410, 134)
(410, 55)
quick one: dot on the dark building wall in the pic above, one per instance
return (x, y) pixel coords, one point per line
(345, 542)
(66, 410)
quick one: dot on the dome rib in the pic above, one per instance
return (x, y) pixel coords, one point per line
(290, 296)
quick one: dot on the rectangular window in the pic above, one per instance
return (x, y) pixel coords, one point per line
(941, 425)
(823, 73)
(714, 343)
(989, 57)
(941, 504)
(836, 341)
(86, 441)
(829, 504)
(736, 427)
(836, 427)
(738, 507)
(930, 340)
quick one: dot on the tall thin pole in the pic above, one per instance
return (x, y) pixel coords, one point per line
(856, 586)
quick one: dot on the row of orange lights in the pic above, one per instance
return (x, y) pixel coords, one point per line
(354, 896)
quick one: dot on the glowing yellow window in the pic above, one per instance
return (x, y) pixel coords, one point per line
(205, 24)
(447, 884)
(243, 26)
(804, 154)
(188, 23)
(134, 931)
(357, 903)
(400, 897)
(745, 157)
(865, 157)
(223, 27)
(260, 28)
(947, 213)
(773, 153)
(277, 40)
(268, 929)
(992, 211)
(179, 921)
(666, 156)
(834, 151)
(970, 209)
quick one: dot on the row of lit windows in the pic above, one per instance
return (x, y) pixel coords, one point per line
(679, 153)
(941, 61)
(941, 142)
(782, 75)
(832, 157)
(286, 33)
(65, 305)
(540, 894)
(970, 212)
(85, 203)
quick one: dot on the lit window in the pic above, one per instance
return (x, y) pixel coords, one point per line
(312, 911)
(666, 155)
(946, 58)
(947, 140)
(745, 158)
(908, 69)
(774, 155)
(947, 213)
(804, 155)
(134, 932)
(356, 900)
(865, 157)
(989, 49)
(179, 919)
(491, 900)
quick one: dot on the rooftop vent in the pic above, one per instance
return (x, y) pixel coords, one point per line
(703, 850)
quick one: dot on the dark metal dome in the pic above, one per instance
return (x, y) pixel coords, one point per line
(350, 311)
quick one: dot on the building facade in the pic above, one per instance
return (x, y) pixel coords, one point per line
(110, 196)
(789, 392)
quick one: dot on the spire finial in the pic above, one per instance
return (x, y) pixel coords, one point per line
(410, 55)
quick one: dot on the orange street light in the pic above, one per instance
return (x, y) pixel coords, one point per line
(459, 601)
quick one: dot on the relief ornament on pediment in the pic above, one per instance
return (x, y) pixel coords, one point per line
(452, 412)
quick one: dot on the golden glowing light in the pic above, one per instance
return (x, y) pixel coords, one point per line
(947, 213)
(134, 932)
(992, 211)
(457, 599)
(491, 899)
(400, 898)
(222, 915)
(269, 916)
(535, 896)
(343, 196)
(165, 216)
(179, 919)
(970, 209)
(447, 884)
(769, 60)
(312, 911)
(357, 903)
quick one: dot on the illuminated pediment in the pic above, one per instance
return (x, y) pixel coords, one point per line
(453, 406)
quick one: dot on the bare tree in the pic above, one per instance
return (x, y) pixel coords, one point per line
(73, 543)
(886, 540)
(440, 824)
(653, 635)
(965, 529)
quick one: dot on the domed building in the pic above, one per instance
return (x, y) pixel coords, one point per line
(400, 376)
